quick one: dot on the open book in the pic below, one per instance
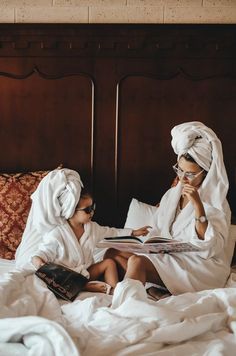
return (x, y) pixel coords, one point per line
(133, 239)
(62, 281)
(152, 244)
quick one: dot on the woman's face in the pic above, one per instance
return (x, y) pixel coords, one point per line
(80, 215)
(190, 173)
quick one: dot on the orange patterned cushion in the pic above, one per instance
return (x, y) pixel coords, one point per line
(15, 202)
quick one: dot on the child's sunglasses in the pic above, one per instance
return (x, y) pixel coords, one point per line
(88, 210)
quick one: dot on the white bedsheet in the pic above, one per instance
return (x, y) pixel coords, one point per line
(202, 323)
(33, 335)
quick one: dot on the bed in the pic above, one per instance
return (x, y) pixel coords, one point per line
(127, 323)
(58, 107)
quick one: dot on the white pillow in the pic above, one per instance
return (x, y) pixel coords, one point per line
(140, 214)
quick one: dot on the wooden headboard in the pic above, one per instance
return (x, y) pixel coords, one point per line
(102, 99)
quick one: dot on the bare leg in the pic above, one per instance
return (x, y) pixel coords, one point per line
(142, 269)
(138, 267)
(105, 269)
(121, 259)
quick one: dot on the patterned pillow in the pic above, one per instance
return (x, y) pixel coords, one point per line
(15, 203)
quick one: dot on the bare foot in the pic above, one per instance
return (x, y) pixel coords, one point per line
(100, 287)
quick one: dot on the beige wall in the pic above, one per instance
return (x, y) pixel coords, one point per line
(118, 11)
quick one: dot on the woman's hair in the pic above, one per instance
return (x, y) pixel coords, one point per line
(188, 157)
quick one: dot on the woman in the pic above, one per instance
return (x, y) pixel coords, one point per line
(196, 210)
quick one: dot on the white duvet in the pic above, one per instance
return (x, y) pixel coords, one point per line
(34, 323)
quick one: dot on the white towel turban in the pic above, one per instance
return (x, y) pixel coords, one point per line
(55, 199)
(53, 202)
(200, 142)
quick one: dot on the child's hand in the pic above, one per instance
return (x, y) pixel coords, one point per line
(142, 231)
(37, 261)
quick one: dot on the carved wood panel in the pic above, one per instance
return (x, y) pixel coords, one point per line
(46, 121)
(148, 110)
(102, 99)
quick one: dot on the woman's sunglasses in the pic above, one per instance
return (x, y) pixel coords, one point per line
(88, 210)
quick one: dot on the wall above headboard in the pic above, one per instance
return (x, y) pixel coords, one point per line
(102, 99)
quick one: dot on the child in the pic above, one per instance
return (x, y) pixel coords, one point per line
(72, 244)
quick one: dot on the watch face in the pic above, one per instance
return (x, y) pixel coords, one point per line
(202, 219)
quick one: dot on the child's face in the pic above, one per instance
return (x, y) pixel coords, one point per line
(81, 216)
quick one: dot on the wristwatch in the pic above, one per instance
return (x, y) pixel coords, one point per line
(202, 219)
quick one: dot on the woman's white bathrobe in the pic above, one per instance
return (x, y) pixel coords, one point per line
(61, 245)
(210, 267)
(193, 271)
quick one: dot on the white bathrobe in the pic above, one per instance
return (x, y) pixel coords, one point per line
(193, 271)
(209, 268)
(48, 234)
(61, 245)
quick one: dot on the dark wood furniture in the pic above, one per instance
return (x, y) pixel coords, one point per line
(102, 99)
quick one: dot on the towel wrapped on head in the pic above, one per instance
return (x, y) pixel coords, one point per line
(55, 198)
(202, 144)
(53, 202)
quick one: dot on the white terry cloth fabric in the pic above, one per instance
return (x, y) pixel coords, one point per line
(53, 202)
(33, 335)
(210, 267)
(6, 265)
(207, 152)
(61, 245)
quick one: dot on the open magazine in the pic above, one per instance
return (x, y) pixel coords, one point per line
(133, 239)
(151, 244)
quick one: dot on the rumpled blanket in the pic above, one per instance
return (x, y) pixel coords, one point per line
(202, 323)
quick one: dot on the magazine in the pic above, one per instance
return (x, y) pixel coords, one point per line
(152, 244)
(62, 281)
(134, 239)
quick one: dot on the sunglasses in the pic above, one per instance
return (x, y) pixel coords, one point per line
(88, 210)
(188, 175)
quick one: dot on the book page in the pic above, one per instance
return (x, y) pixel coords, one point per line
(139, 240)
(157, 239)
(124, 239)
(162, 247)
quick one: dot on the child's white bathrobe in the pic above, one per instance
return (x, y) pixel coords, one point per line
(209, 268)
(48, 234)
(61, 245)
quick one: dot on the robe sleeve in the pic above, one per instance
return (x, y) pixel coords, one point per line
(216, 235)
(47, 250)
(105, 231)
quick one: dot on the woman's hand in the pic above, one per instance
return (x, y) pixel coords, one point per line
(37, 261)
(191, 193)
(142, 231)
